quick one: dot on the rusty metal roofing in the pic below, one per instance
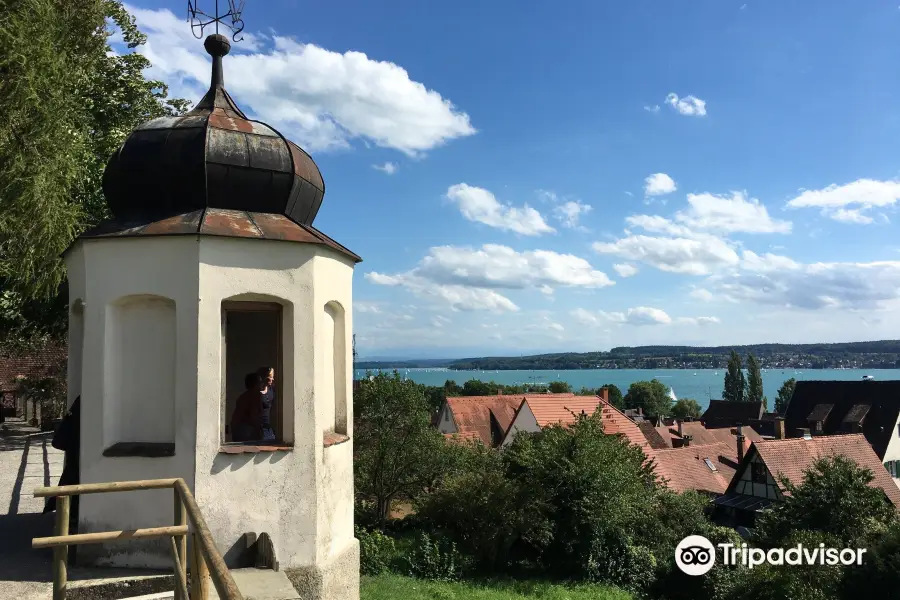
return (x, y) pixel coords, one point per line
(212, 157)
(221, 223)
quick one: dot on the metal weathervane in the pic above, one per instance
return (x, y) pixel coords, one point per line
(231, 19)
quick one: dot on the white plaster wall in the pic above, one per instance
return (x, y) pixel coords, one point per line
(286, 494)
(524, 421)
(140, 362)
(326, 394)
(113, 269)
(75, 274)
(333, 283)
(445, 420)
(892, 452)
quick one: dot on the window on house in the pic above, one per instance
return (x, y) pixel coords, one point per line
(893, 467)
(758, 472)
(252, 339)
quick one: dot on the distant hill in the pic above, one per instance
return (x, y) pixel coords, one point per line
(883, 354)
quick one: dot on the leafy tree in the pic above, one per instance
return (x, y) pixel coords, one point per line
(734, 380)
(686, 407)
(879, 575)
(475, 387)
(452, 388)
(754, 380)
(835, 498)
(68, 101)
(784, 395)
(435, 397)
(560, 387)
(397, 452)
(615, 395)
(652, 396)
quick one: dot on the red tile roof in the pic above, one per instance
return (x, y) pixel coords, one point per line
(615, 422)
(702, 436)
(548, 410)
(40, 363)
(791, 458)
(472, 414)
(685, 468)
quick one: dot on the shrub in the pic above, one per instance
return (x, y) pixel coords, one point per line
(614, 561)
(879, 575)
(376, 551)
(478, 508)
(433, 560)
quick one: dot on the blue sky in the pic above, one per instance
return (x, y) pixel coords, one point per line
(536, 177)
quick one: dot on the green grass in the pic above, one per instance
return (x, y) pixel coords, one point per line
(391, 587)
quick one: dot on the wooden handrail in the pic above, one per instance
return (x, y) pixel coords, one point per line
(206, 560)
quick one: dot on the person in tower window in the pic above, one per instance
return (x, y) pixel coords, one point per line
(246, 420)
(268, 400)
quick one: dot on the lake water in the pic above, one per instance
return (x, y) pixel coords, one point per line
(701, 385)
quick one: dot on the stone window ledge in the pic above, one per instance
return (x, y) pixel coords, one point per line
(140, 449)
(333, 439)
(242, 448)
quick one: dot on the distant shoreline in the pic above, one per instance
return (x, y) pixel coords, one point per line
(883, 354)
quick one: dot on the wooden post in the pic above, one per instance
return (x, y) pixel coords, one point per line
(181, 540)
(181, 590)
(199, 571)
(60, 553)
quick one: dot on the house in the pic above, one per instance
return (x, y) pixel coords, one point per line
(536, 412)
(832, 407)
(707, 469)
(635, 414)
(756, 483)
(482, 418)
(666, 437)
(727, 413)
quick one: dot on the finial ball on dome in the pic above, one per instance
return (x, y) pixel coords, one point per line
(217, 45)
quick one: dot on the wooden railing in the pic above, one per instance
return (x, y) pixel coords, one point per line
(206, 561)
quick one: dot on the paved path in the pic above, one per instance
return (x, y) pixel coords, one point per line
(27, 461)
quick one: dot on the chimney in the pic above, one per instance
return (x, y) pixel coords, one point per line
(687, 441)
(779, 428)
(740, 443)
(680, 428)
(804, 433)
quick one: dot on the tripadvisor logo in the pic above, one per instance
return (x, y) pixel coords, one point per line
(696, 555)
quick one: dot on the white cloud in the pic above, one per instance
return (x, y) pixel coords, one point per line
(780, 281)
(698, 320)
(388, 168)
(440, 321)
(645, 315)
(362, 306)
(585, 317)
(466, 278)
(640, 315)
(321, 98)
(499, 267)
(652, 109)
(625, 270)
(479, 205)
(694, 256)
(847, 203)
(659, 184)
(689, 105)
(729, 214)
(569, 213)
(458, 297)
(701, 294)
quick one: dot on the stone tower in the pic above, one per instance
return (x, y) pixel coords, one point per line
(209, 269)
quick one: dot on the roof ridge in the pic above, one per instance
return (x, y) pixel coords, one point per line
(815, 437)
